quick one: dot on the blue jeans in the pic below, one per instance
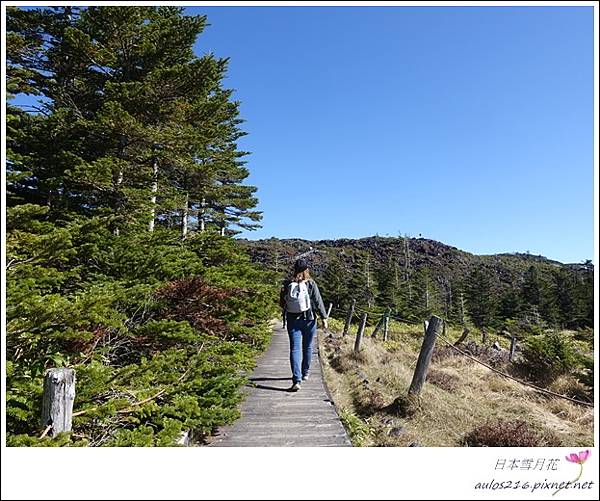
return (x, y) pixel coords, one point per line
(301, 333)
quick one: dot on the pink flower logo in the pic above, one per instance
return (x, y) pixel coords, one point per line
(576, 459)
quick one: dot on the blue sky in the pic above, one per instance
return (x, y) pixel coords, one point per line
(468, 125)
(472, 126)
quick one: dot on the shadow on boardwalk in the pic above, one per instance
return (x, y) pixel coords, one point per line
(272, 416)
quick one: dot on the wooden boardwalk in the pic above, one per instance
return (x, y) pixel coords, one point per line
(274, 417)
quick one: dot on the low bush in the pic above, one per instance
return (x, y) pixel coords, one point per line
(504, 434)
(160, 336)
(547, 356)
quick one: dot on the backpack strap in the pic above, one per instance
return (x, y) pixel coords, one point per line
(283, 292)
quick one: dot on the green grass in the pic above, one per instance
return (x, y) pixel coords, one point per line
(357, 429)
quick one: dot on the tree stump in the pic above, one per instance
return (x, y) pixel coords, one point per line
(57, 404)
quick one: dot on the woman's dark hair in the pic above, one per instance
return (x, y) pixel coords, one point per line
(302, 275)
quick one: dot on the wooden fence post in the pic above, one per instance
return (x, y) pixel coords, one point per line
(378, 326)
(57, 403)
(462, 337)
(359, 333)
(386, 324)
(513, 347)
(433, 329)
(349, 317)
(483, 335)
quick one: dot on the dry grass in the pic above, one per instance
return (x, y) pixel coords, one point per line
(460, 396)
(508, 434)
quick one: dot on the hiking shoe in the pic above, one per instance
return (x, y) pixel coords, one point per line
(295, 387)
(305, 377)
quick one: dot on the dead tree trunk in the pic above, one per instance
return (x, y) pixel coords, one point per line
(153, 190)
(386, 324)
(184, 217)
(202, 214)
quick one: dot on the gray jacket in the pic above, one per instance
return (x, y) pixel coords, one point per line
(316, 301)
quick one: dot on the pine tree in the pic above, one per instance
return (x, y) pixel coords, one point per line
(479, 296)
(446, 296)
(361, 284)
(132, 129)
(537, 303)
(387, 286)
(564, 298)
(425, 298)
(142, 128)
(334, 283)
(585, 294)
(510, 304)
(531, 288)
(459, 313)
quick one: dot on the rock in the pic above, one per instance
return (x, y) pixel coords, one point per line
(396, 432)
(496, 346)
(414, 444)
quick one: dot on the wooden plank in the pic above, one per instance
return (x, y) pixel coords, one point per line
(271, 416)
(278, 439)
(319, 419)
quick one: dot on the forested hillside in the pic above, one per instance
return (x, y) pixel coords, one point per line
(417, 277)
(124, 186)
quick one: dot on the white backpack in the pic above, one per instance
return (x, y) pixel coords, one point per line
(297, 298)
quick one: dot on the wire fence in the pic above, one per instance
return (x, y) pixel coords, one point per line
(378, 313)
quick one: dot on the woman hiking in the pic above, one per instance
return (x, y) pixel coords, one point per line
(300, 297)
